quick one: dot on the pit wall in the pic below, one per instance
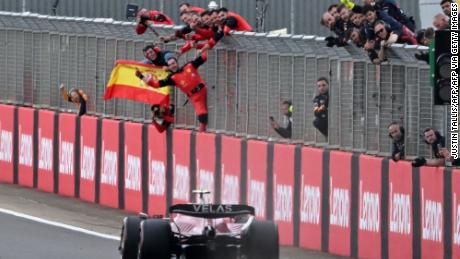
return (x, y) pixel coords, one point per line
(337, 202)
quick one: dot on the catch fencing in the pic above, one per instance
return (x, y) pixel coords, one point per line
(249, 75)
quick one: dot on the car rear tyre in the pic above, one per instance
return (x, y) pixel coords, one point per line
(156, 237)
(130, 236)
(262, 240)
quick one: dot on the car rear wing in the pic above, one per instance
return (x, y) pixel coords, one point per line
(212, 210)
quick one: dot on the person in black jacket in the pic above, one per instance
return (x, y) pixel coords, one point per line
(286, 130)
(321, 102)
(441, 155)
(396, 133)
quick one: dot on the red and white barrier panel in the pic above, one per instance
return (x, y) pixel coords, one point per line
(283, 192)
(181, 166)
(110, 165)
(257, 177)
(432, 212)
(206, 163)
(46, 128)
(370, 207)
(26, 125)
(231, 170)
(133, 167)
(400, 222)
(88, 142)
(340, 203)
(67, 126)
(6, 143)
(157, 165)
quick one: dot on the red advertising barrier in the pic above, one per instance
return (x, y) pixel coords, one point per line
(88, 141)
(157, 156)
(45, 150)
(206, 163)
(257, 177)
(370, 193)
(310, 198)
(431, 212)
(283, 192)
(181, 166)
(339, 202)
(26, 144)
(109, 163)
(400, 223)
(133, 166)
(6, 143)
(455, 213)
(67, 124)
(231, 170)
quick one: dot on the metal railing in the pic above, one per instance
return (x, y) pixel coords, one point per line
(249, 75)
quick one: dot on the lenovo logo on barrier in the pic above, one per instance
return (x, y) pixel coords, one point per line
(66, 158)
(311, 204)
(25, 150)
(456, 219)
(109, 168)
(181, 188)
(400, 216)
(157, 179)
(88, 163)
(369, 218)
(283, 203)
(431, 220)
(257, 197)
(230, 188)
(45, 158)
(6, 146)
(133, 173)
(340, 207)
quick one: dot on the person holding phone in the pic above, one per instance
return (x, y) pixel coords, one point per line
(285, 130)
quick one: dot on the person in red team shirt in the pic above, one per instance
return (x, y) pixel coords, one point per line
(232, 21)
(145, 18)
(186, 8)
(163, 116)
(189, 81)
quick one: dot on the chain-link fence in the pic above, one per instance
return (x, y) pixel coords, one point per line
(249, 76)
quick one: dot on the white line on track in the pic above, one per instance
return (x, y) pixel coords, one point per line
(58, 224)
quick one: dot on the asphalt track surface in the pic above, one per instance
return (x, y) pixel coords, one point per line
(23, 238)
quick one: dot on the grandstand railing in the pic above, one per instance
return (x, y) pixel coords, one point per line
(249, 75)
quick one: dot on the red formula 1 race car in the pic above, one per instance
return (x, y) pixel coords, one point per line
(199, 231)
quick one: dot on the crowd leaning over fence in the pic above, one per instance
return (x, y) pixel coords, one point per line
(374, 26)
(377, 24)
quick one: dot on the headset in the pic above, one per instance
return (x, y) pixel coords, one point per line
(291, 107)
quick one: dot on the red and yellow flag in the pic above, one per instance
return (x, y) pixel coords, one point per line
(124, 84)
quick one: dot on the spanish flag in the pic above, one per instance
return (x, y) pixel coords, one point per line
(124, 84)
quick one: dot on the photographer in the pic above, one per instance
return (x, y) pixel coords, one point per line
(286, 130)
(145, 18)
(438, 148)
(321, 102)
(163, 116)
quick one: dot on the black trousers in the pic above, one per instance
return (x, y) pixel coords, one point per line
(321, 125)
